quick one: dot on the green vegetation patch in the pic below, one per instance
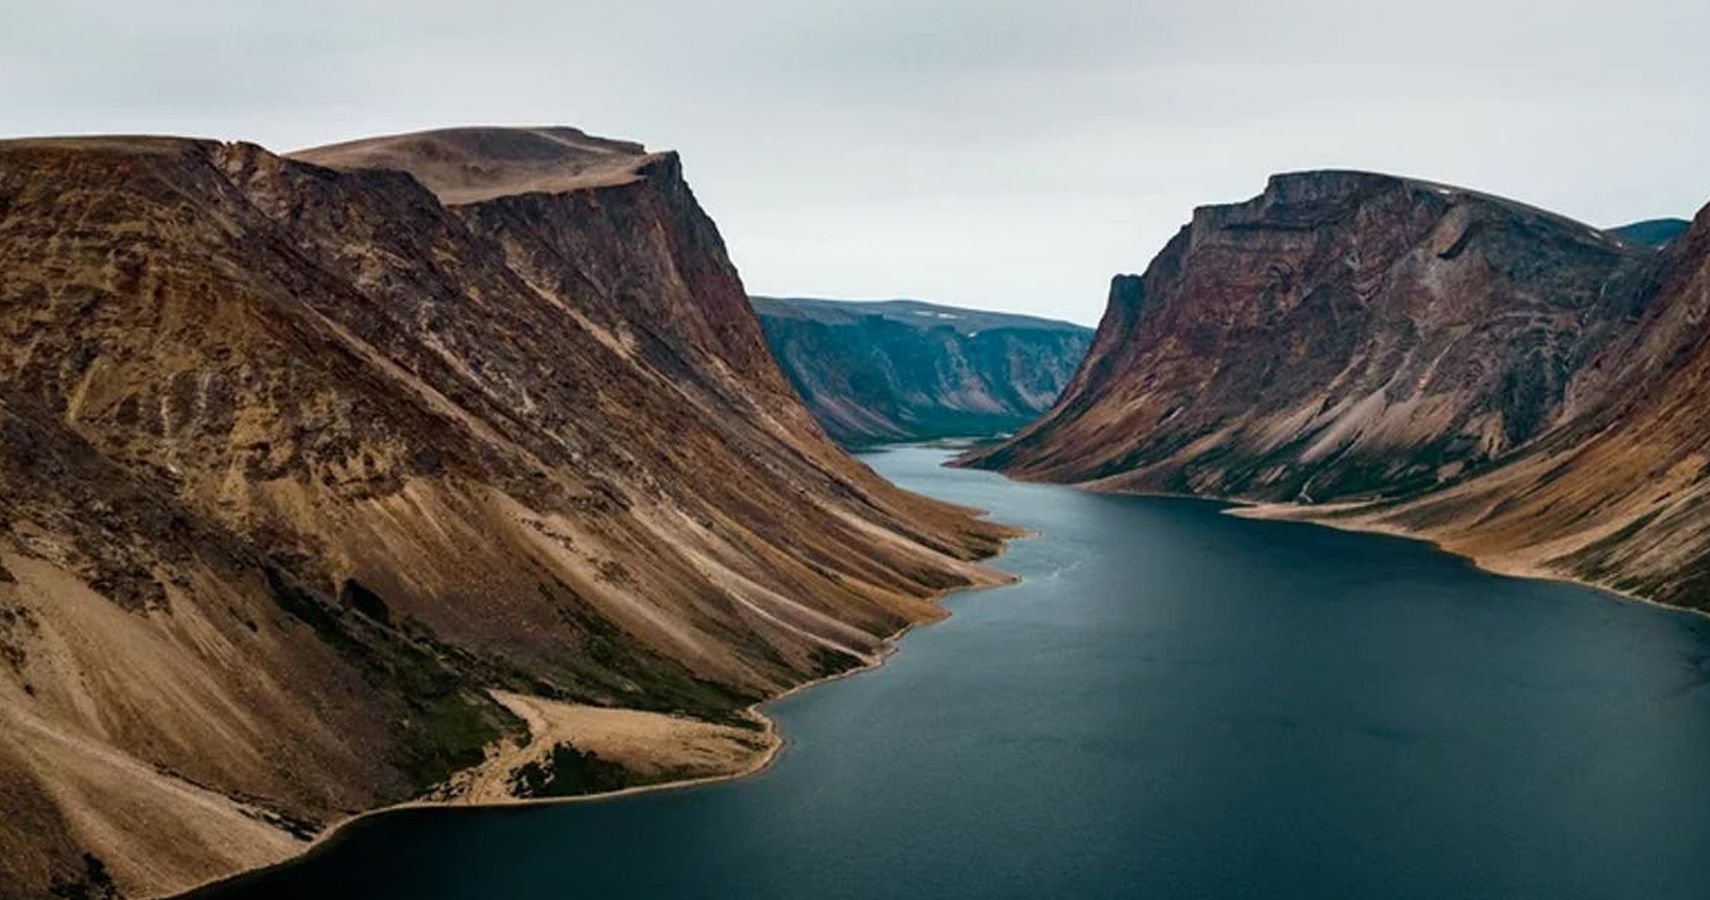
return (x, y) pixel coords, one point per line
(569, 772)
(93, 883)
(445, 722)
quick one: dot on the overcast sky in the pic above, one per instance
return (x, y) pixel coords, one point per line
(997, 153)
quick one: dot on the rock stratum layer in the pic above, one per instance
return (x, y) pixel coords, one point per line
(302, 457)
(1618, 495)
(904, 370)
(1520, 387)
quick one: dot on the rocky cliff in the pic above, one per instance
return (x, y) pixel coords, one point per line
(1518, 386)
(301, 457)
(1342, 335)
(905, 370)
(1620, 495)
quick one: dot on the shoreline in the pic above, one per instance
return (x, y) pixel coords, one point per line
(1289, 512)
(1280, 511)
(777, 741)
(755, 711)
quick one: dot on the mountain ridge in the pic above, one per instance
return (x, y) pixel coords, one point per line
(919, 313)
(899, 370)
(302, 462)
(475, 164)
(1386, 353)
(1379, 289)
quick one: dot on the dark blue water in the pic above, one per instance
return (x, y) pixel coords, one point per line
(1173, 703)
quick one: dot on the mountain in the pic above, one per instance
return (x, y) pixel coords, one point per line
(329, 476)
(1619, 496)
(1652, 232)
(1519, 387)
(1342, 335)
(905, 370)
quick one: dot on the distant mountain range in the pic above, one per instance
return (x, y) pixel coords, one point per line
(1652, 232)
(905, 370)
(1523, 388)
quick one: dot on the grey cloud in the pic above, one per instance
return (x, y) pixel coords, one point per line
(997, 152)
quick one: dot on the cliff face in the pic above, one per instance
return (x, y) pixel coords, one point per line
(1343, 335)
(1521, 388)
(903, 370)
(1621, 495)
(302, 456)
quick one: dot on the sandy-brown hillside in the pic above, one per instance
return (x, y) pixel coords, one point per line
(300, 460)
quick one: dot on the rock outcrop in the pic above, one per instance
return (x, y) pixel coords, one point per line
(1620, 495)
(904, 370)
(301, 457)
(1523, 388)
(1343, 335)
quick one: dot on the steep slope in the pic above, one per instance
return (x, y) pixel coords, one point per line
(1621, 495)
(903, 370)
(1342, 335)
(299, 461)
(1513, 385)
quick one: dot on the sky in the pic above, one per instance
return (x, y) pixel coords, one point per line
(990, 153)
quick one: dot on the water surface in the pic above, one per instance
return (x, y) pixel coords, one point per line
(1173, 703)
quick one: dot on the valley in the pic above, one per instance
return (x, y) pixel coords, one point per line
(856, 451)
(458, 469)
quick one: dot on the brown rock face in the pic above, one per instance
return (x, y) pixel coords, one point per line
(297, 460)
(1519, 387)
(1343, 335)
(1620, 495)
